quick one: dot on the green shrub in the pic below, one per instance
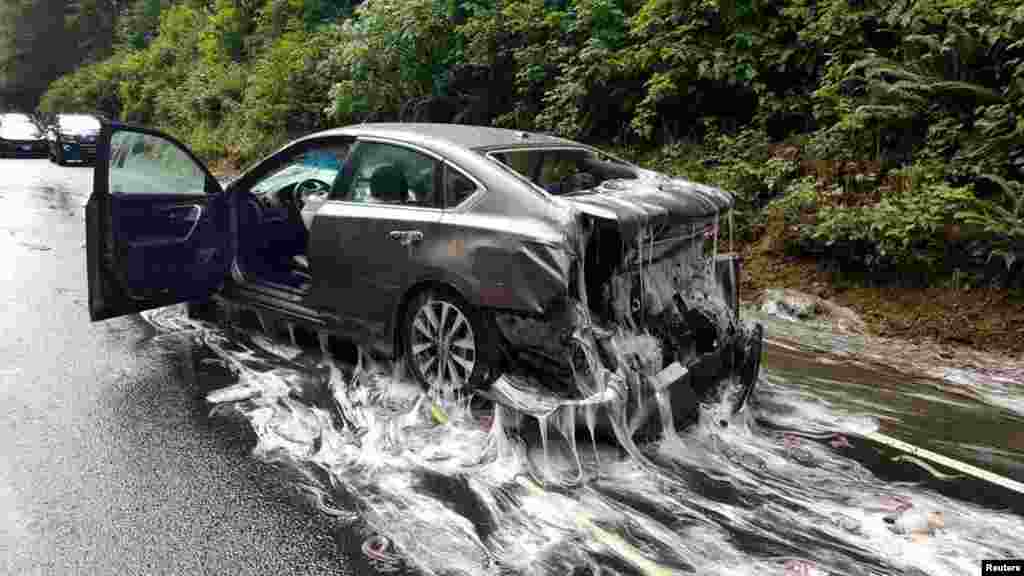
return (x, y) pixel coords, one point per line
(391, 60)
(904, 229)
(286, 89)
(901, 230)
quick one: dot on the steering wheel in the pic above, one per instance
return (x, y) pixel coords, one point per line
(307, 188)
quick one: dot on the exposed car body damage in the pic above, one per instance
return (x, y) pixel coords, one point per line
(504, 264)
(646, 311)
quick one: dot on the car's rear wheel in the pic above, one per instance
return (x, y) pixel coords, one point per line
(448, 344)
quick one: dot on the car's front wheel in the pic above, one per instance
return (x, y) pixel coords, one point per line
(59, 156)
(448, 344)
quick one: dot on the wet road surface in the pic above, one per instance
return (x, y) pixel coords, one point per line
(109, 464)
(115, 463)
(796, 485)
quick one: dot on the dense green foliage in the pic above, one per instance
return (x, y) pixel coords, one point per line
(41, 39)
(887, 134)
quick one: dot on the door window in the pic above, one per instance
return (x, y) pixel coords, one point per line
(457, 187)
(146, 164)
(389, 174)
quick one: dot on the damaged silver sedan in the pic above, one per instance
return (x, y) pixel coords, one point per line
(528, 269)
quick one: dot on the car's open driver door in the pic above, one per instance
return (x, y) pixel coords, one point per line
(157, 226)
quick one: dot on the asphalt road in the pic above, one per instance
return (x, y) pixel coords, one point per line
(110, 464)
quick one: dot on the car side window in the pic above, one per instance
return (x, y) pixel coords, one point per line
(525, 162)
(457, 187)
(381, 173)
(557, 171)
(147, 164)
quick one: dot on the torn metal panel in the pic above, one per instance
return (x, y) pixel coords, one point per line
(652, 200)
(657, 321)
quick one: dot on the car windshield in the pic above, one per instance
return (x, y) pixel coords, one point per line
(322, 165)
(19, 130)
(562, 171)
(78, 123)
(16, 119)
(293, 174)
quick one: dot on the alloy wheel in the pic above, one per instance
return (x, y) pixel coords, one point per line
(443, 345)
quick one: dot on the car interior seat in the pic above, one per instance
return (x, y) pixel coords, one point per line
(607, 170)
(389, 185)
(579, 181)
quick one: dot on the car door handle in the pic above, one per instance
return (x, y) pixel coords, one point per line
(406, 237)
(185, 213)
(191, 213)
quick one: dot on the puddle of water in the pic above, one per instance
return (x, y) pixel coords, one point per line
(775, 491)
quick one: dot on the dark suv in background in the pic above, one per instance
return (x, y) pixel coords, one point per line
(72, 138)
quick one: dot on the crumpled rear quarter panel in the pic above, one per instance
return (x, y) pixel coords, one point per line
(505, 262)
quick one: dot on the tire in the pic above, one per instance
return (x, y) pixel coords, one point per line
(60, 155)
(474, 333)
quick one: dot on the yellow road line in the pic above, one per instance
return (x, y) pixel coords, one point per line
(624, 549)
(947, 462)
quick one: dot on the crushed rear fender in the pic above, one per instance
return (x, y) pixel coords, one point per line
(643, 295)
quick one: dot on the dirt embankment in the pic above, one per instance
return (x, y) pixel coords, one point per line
(981, 318)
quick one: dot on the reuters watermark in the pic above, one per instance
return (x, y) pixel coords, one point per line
(1002, 566)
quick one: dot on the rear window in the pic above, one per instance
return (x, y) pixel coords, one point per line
(561, 171)
(457, 187)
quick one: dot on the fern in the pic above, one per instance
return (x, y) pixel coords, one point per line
(928, 40)
(883, 112)
(965, 91)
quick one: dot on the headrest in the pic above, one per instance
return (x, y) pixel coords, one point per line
(388, 184)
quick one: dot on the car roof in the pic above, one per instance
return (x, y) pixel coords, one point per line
(463, 135)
